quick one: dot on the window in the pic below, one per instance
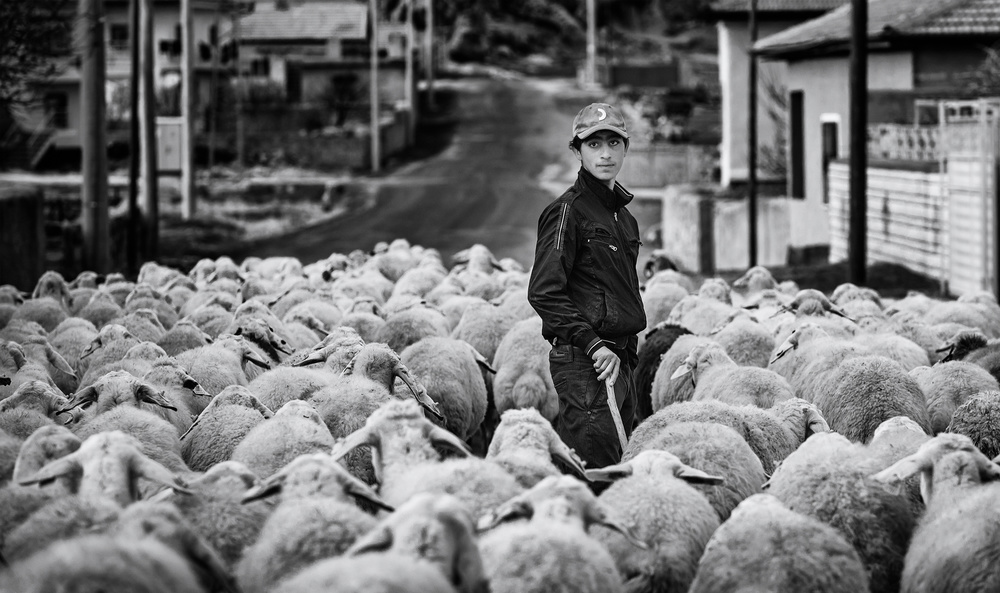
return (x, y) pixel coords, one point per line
(57, 110)
(796, 145)
(260, 67)
(118, 38)
(830, 130)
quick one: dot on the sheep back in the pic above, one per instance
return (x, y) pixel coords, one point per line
(979, 419)
(448, 370)
(948, 385)
(658, 341)
(523, 378)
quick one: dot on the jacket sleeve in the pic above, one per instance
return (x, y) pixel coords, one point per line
(555, 252)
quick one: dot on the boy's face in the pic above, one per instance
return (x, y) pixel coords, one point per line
(602, 154)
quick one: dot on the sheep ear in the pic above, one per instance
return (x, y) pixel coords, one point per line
(250, 356)
(87, 395)
(682, 370)
(893, 476)
(317, 357)
(483, 363)
(17, 353)
(377, 540)
(815, 422)
(91, 348)
(785, 347)
(57, 360)
(207, 564)
(361, 491)
(269, 487)
(145, 393)
(444, 438)
(517, 508)
(610, 473)
(58, 468)
(696, 476)
(148, 469)
(195, 387)
(418, 391)
(598, 514)
(561, 452)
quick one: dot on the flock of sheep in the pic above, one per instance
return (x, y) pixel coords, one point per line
(380, 422)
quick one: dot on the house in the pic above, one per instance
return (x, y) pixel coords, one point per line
(53, 124)
(918, 49)
(734, 40)
(309, 46)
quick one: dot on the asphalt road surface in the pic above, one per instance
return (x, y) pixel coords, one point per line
(507, 159)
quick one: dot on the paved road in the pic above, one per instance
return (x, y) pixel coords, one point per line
(507, 156)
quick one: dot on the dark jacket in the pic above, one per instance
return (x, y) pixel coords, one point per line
(583, 282)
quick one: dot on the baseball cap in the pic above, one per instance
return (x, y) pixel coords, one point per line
(596, 117)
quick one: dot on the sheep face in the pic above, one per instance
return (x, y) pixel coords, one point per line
(118, 388)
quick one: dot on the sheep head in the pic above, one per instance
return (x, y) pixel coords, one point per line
(801, 335)
(338, 348)
(656, 463)
(46, 444)
(756, 279)
(562, 499)
(437, 528)
(963, 343)
(111, 464)
(926, 462)
(108, 334)
(314, 475)
(53, 285)
(803, 418)
(527, 430)
(38, 396)
(381, 364)
(701, 358)
(117, 388)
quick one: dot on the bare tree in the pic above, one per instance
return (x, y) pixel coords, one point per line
(985, 80)
(773, 157)
(35, 42)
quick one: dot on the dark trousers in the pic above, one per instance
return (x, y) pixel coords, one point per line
(584, 421)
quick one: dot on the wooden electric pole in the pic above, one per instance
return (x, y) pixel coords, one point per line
(94, 191)
(429, 54)
(857, 244)
(410, 87)
(752, 136)
(373, 89)
(147, 122)
(188, 96)
(134, 154)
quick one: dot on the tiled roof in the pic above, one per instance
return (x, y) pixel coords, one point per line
(731, 6)
(310, 20)
(888, 19)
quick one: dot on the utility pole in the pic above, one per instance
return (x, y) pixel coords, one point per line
(857, 245)
(93, 130)
(373, 89)
(429, 54)
(238, 90)
(410, 103)
(134, 154)
(187, 111)
(752, 135)
(591, 74)
(147, 122)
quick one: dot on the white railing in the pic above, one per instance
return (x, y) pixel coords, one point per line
(894, 142)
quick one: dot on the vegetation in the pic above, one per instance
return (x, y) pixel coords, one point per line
(35, 38)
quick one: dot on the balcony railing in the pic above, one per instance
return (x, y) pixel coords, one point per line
(895, 142)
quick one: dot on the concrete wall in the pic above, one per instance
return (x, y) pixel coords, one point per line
(662, 165)
(825, 85)
(734, 38)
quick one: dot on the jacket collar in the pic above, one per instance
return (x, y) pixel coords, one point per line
(610, 199)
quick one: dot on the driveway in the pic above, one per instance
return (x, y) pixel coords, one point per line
(508, 158)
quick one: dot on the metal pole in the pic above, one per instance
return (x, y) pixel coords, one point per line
(373, 88)
(752, 136)
(857, 246)
(591, 75)
(93, 130)
(147, 121)
(429, 51)
(187, 111)
(134, 154)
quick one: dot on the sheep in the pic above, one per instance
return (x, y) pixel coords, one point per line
(484, 325)
(953, 546)
(449, 371)
(868, 390)
(810, 359)
(903, 350)
(657, 341)
(972, 314)
(523, 379)
(828, 478)
(772, 434)
(303, 331)
(409, 326)
(948, 385)
(315, 519)
(366, 281)
(263, 339)
(143, 324)
(16, 369)
(755, 280)
(20, 423)
(46, 444)
(368, 573)
(221, 426)
(764, 546)
(977, 419)
(716, 376)
(158, 437)
(455, 306)
(41, 351)
(71, 338)
(672, 277)
(45, 311)
(121, 388)
(102, 563)
(665, 390)
(170, 378)
(59, 519)
(407, 462)
(435, 528)
(146, 297)
(972, 346)
(37, 396)
(699, 314)
(365, 317)
(213, 318)
(849, 292)
(12, 295)
(552, 552)
(110, 345)
(221, 364)
(183, 336)
(659, 299)
(715, 449)
(654, 499)
(526, 445)
(747, 342)
(295, 428)
(277, 386)
(101, 309)
(19, 330)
